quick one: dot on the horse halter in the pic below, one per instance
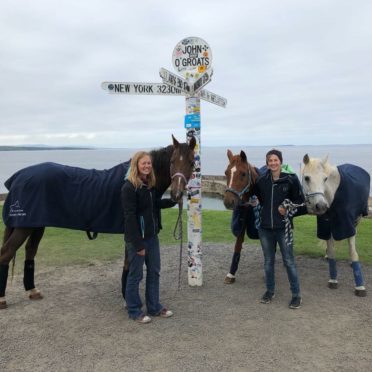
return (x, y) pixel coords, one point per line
(245, 189)
(181, 175)
(309, 195)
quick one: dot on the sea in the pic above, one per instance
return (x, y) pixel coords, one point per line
(213, 159)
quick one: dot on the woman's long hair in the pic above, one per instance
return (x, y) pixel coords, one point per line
(134, 176)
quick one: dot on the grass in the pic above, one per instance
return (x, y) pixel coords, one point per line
(60, 247)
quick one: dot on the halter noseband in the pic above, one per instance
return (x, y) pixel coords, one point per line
(180, 175)
(307, 196)
(244, 191)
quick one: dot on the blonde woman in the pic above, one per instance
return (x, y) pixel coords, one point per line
(141, 227)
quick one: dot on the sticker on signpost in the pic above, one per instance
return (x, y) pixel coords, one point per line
(192, 121)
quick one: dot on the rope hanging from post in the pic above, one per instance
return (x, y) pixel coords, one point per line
(179, 237)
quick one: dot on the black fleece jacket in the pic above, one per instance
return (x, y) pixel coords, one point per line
(271, 194)
(142, 218)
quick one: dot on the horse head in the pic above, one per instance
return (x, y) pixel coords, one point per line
(240, 176)
(319, 181)
(181, 167)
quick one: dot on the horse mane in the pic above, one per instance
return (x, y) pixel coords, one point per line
(161, 164)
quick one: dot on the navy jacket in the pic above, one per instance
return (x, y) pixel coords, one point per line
(142, 218)
(272, 193)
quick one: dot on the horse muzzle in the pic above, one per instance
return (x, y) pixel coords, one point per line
(176, 195)
(317, 208)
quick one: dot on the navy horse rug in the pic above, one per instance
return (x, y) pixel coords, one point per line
(350, 202)
(50, 194)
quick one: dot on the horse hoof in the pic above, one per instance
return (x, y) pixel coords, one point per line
(360, 292)
(333, 285)
(229, 280)
(3, 305)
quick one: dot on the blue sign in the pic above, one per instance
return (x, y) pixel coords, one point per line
(192, 121)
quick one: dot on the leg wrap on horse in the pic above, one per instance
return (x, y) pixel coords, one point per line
(358, 276)
(28, 275)
(3, 279)
(235, 263)
(332, 268)
(124, 277)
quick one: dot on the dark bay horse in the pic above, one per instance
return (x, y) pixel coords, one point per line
(240, 178)
(37, 199)
(338, 196)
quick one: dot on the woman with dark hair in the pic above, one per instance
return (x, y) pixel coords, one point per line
(272, 188)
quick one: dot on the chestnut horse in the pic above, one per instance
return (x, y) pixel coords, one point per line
(240, 178)
(172, 165)
(338, 196)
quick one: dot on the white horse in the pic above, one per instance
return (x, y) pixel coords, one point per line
(338, 196)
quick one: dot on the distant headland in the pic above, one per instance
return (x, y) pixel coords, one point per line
(41, 148)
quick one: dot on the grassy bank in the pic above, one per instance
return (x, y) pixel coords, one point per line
(65, 247)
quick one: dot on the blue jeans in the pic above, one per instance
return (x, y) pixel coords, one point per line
(135, 275)
(268, 239)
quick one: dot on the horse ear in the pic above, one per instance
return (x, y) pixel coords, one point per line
(243, 155)
(192, 143)
(175, 142)
(306, 159)
(229, 154)
(325, 160)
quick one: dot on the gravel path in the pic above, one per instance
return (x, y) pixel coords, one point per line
(81, 325)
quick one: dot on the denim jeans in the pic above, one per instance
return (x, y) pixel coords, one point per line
(269, 238)
(135, 275)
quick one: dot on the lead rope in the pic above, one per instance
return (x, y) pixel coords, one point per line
(290, 211)
(179, 237)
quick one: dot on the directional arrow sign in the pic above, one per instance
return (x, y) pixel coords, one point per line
(202, 81)
(141, 88)
(213, 98)
(175, 81)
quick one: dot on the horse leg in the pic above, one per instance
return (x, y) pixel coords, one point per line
(13, 239)
(332, 267)
(360, 289)
(230, 277)
(29, 268)
(124, 275)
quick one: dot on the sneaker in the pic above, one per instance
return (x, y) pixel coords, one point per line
(295, 302)
(165, 313)
(267, 297)
(143, 319)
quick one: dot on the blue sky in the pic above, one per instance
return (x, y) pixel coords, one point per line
(293, 72)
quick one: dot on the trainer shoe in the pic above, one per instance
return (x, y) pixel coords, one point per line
(295, 302)
(267, 297)
(143, 319)
(165, 313)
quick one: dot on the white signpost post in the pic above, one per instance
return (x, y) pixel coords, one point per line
(192, 58)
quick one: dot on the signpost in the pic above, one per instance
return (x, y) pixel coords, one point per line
(192, 58)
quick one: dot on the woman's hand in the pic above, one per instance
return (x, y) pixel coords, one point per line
(141, 252)
(281, 210)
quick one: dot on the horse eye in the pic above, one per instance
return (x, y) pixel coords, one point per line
(243, 174)
(226, 172)
(307, 178)
(325, 179)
